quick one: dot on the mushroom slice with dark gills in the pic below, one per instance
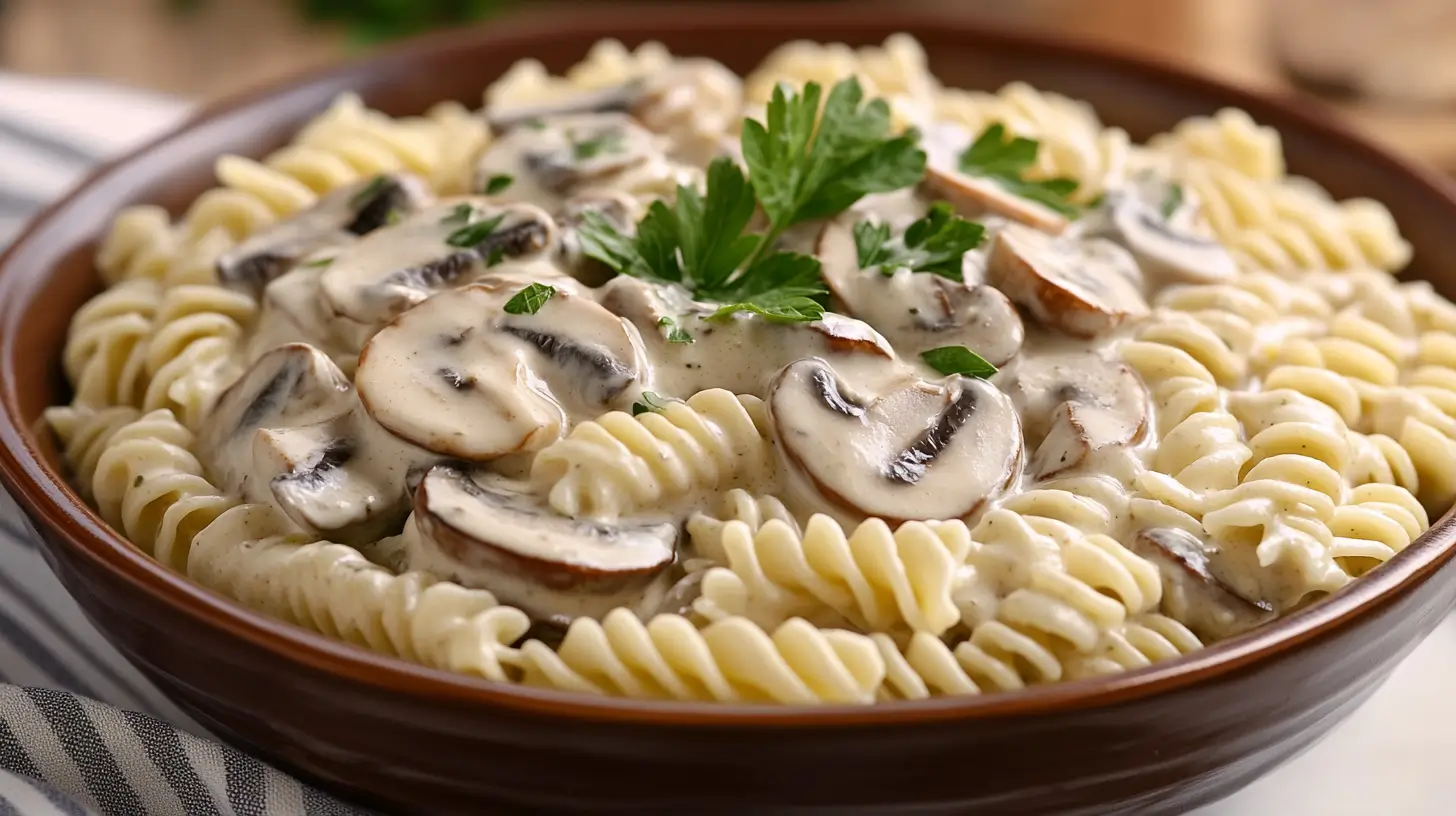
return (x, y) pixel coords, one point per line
(292, 385)
(1078, 287)
(336, 219)
(447, 245)
(557, 157)
(318, 476)
(920, 450)
(917, 311)
(486, 531)
(1192, 593)
(1074, 405)
(459, 376)
(1158, 222)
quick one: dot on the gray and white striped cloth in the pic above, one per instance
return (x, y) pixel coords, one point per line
(61, 751)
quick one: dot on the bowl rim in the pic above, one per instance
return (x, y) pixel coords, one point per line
(44, 494)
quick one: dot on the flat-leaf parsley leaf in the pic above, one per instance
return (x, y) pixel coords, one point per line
(1005, 162)
(958, 360)
(530, 299)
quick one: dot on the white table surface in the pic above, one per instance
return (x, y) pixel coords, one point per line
(1392, 757)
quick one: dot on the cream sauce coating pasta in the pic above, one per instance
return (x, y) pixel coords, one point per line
(383, 384)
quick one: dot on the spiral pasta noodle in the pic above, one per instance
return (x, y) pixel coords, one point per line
(249, 555)
(608, 63)
(731, 660)
(875, 578)
(1231, 138)
(1288, 226)
(193, 353)
(1379, 521)
(150, 486)
(619, 463)
(106, 345)
(1136, 644)
(84, 434)
(706, 531)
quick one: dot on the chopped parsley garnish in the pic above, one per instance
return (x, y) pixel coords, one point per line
(393, 217)
(700, 244)
(798, 171)
(472, 235)
(368, 191)
(1172, 201)
(651, 403)
(530, 299)
(498, 183)
(533, 124)
(958, 360)
(460, 214)
(318, 262)
(1005, 162)
(676, 334)
(933, 244)
(609, 141)
(802, 172)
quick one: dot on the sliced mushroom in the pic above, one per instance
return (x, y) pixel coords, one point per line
(1168, 246)
(621, 210)
(390, 270)
(975, 197)
(314, 477)
(292, 385)
(919, 311)
(1073, 405)
(555, 158)
(613, 99)
(1080, 288)
(1192, 593)
(335, 220)
(459, 376)
(920, 451)
(493, 533)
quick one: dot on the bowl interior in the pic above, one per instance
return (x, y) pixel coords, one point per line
(48, 273)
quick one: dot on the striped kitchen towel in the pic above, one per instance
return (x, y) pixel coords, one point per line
(62, 751)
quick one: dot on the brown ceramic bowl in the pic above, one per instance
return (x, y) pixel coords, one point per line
(396, 735)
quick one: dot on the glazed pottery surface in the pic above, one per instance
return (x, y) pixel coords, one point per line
(405, 738)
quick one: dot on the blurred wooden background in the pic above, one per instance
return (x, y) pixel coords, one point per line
(225, 45)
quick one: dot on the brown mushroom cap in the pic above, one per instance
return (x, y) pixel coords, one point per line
(1080, 288)
(920, 450)
(459, 376)
(496, 534)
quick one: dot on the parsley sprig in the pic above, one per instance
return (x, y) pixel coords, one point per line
(802, 166)
(1005, 162)
(801, 172)
(958, 360)
(700, 244)
(932, 244)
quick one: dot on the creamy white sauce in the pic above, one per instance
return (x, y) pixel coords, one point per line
(435, 370)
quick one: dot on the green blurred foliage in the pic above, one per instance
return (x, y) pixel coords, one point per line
(374, 21)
